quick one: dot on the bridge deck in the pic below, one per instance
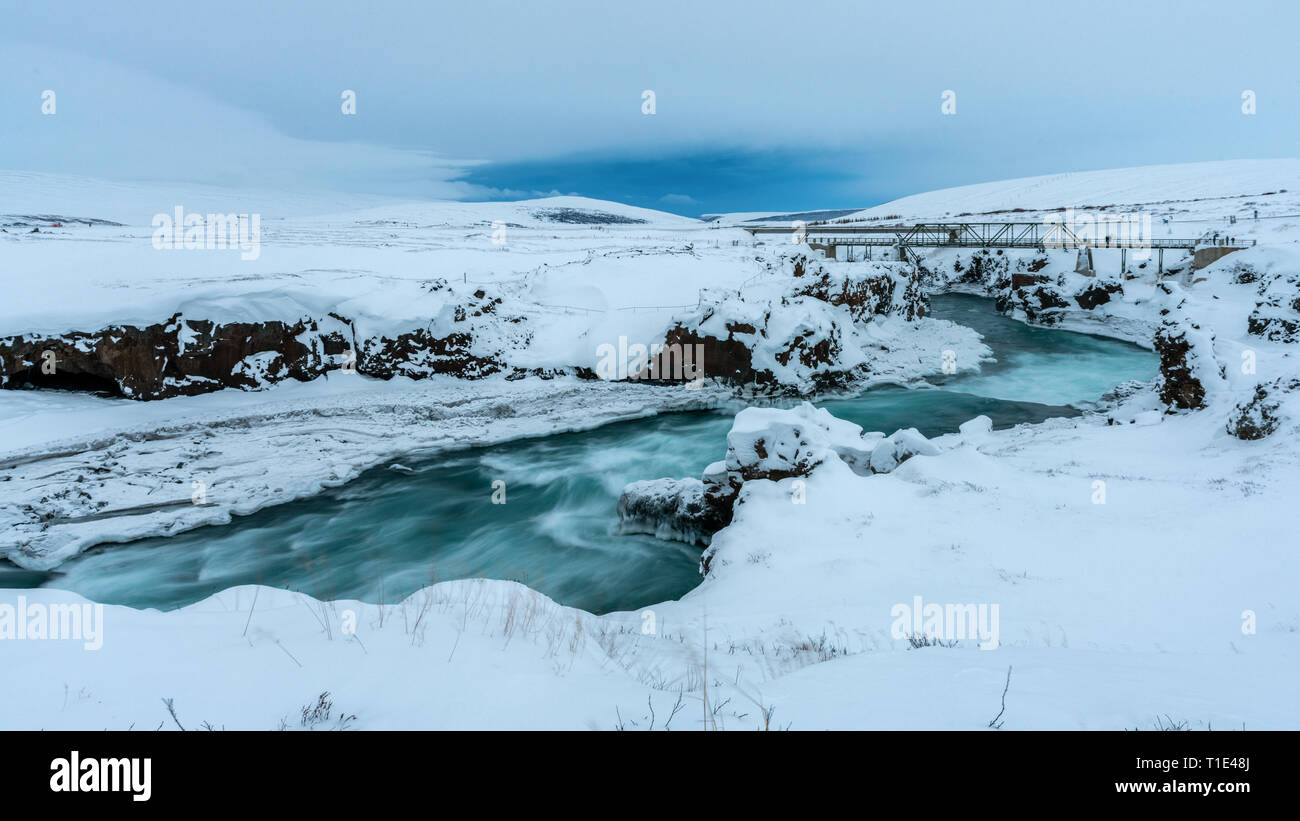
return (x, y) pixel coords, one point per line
(994, 235)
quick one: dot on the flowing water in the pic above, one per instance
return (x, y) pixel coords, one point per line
(390, 532)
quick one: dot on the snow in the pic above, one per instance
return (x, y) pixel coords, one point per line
(659, 506)
(765, 441)
(369, 264)
(1142, 562)
(1163, 184)
(900, 446)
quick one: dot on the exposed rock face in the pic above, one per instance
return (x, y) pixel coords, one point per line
(1259, 416)
(1277, 313)
(1274, 328)
(1021, 282)
(1027, 284)
(984, 268)
(728, 358)
(677, 509)
(864, 296)
(1041, 299)
(665, 508)
(1035, 295)
(419, 354)
(173, 358)
(1097, 294)
(184, 356)
(1178, 384)
(802, 340)
(1242, 273)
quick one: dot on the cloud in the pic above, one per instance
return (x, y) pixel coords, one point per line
(116, 122)
(678, 200)
(253, 93)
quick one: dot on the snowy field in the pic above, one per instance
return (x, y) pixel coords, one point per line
(1141, 560)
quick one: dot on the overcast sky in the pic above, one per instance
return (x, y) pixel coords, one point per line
(758, 106)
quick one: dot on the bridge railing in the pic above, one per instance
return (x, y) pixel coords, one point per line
(1048, 235)
(1069, 245)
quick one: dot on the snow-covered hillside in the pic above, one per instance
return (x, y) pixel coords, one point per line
(1158, 189)
(1112, 188)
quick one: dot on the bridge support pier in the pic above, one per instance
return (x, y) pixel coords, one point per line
(1083, 265)
(828, 250)
(1202, 257)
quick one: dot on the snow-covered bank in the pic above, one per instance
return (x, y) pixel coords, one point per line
(495, 655)
(411, 289)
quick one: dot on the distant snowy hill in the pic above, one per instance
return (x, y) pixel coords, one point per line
(26, 193)
(1119, 186)
(1112, 187)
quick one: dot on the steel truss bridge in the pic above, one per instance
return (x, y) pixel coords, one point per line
(1045, 235)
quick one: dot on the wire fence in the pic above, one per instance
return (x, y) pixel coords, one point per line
(582, 309)
(632, 308)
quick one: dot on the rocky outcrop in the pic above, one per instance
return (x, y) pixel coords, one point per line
(793, 347)
(1276, 316)
(1034, 295)
(804, 340)
(767, 444)
(775, 444)
(985, 268)
(1032, 285)
(1099, 293)
(1178, 385)
(173, 358)
(879, 291)
(1260, 415)
(764, 443)
(681, 510)
(185, 356)
(419, 354)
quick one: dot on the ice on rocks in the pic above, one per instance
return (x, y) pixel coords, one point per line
(900, 446)
(977, 428)
(774, 443)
